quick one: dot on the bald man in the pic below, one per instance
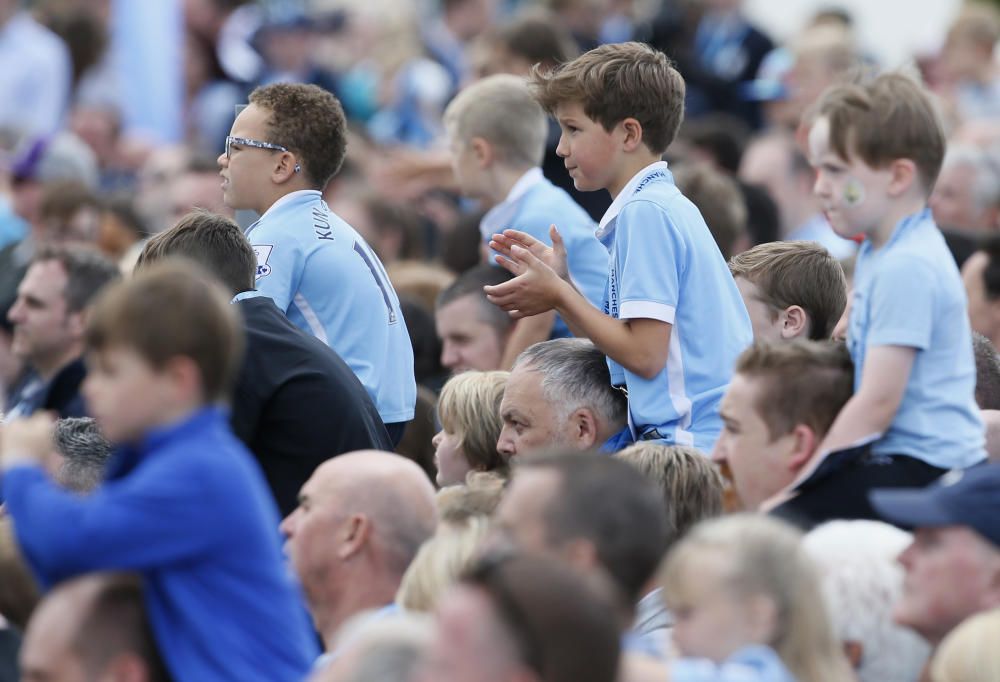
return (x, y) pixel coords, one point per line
(91, 628)
(361, 518)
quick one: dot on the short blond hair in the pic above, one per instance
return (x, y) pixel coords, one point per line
(469, 408)
(796, 273)
(890, 118)
(440, 562)
(969, 652)
(501, 110)
(765, 557)
(479, 496)
(690, 483)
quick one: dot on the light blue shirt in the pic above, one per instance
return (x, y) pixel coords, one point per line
(532, 206)
(664, 265)
(909, 293)
(330, 284)
(35, 76)
(749, 664)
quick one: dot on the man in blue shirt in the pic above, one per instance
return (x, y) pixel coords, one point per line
(284, 148)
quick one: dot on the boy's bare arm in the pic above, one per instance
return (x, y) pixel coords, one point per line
(640, 345)
(874, 405)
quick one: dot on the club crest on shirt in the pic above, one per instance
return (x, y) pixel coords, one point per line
(263, 252)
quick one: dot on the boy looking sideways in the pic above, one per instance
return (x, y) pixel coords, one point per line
(284, 148)
(877, 150)
(183, 503)
(673, 321)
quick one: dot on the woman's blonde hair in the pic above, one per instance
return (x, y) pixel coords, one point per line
(969, 653)
(765, 557)
(469, 408)
(440, 562)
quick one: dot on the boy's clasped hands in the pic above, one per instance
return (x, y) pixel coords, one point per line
(541, 273)
(27, 440)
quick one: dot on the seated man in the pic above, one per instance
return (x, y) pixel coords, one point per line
(48, 319)
(296, 402)
(551, 508)
(360, 521)
(473, 331)
(559, 395)
(792, 290)
(92, 628)
(953, 564)
(780, 404)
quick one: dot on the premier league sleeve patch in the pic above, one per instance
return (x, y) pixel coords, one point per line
(263, 252)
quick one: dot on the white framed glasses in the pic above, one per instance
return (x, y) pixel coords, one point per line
(247, 142)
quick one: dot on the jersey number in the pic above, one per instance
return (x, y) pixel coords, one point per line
(378, 275)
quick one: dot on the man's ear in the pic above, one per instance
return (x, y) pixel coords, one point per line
(77, 323)
(796, 323)
(583, 423)
(352, 536)
(580, 553)
(633, 134)
(483, 151)
(803, 448)
(904, 174)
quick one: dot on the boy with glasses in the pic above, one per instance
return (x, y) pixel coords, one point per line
(284, 148)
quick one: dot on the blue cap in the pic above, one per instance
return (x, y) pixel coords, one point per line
(962, 497)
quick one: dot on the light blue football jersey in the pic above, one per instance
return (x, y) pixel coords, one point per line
(332, 285)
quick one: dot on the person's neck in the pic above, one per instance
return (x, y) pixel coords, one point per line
(48, 368)
(367, 591)
(903, 208)
(503, 181)
(631, 164)
(276, 194)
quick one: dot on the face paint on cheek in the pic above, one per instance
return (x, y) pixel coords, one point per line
(854, 193)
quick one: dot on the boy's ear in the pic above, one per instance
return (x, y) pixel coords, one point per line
(796, 323)
(186, 374)
(633, 134)
(483, 151)
(904, 174)
(284, 168)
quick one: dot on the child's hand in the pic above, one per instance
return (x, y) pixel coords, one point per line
(534, 290)
(554, 256)
(26, 441)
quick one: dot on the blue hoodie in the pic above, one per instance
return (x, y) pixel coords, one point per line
(187, 509)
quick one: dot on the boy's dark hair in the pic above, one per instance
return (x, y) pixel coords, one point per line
(213, 241)
(87, 271)
(628, 527)
(987, 373)
(562, 623)
(172, 309)
(889, 119)
(619, 81)
(796, 273)
(538, 39)
(722, 136)
(800, 382)
(471, 283)
(309, 122)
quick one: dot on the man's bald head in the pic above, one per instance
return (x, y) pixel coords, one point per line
(88, 628)
(361, 518)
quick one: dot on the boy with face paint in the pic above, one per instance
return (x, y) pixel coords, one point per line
(877, 150)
